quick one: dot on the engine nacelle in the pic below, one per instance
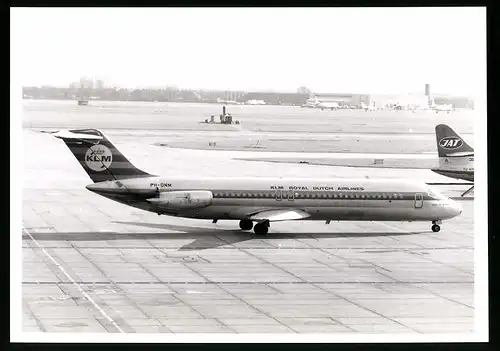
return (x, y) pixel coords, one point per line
(183, 199)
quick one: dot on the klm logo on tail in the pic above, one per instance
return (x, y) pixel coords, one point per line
(98, 158)
(451, 143)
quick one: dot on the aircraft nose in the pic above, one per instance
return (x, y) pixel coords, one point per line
(455, 208)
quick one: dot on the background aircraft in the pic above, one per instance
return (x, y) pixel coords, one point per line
(441, 108)
(311, 102)
(456, 157)
(330, 105)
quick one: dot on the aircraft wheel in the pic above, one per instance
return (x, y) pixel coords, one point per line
(260, 229)
(436, 228)
(246, 225)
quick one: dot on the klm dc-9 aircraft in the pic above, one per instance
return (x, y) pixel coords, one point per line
(253, 200)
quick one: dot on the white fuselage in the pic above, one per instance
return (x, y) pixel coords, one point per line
(458, 167)
(322, 199)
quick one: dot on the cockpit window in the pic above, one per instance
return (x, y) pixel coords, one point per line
(436, 195)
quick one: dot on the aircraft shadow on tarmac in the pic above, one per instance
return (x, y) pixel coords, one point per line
(203, 238)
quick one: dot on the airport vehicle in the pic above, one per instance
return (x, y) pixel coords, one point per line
(249, 200)
(456, 157)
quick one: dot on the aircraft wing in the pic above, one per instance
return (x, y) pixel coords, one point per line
(279, 215)
(450, 184)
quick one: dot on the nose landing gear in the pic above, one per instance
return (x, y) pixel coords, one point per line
(435, 226)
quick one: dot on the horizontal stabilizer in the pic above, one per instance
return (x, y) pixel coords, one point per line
(459, 154)
(279, 215)
(70, 135)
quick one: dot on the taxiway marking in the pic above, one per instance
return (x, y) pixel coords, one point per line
(87, 296)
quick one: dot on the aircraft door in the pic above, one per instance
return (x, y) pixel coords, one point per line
(291, 195)
(279, 195)
(419, 200)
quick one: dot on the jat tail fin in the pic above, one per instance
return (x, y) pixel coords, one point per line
(449, 143)
(98, 156)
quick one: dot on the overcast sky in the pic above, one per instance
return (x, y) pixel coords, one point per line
(358, 50)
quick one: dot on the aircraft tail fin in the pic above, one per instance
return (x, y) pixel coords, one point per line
(98, 156)
(449, 142)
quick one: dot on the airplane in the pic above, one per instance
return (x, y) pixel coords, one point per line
(312, 102)
(440, 108)
(255, 102)
(456, 157)
(249, 200)
(228, 102)
(331, 105)
(443, 108)
(368, 108)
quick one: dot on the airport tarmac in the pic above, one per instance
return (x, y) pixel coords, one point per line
(92, 265)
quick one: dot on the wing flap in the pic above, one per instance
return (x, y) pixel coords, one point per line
(279, 215)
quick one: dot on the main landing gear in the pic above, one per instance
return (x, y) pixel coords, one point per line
(259, 229)
(246, 225)
(435, 226)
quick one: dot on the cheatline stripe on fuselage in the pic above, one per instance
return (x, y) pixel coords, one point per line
(221, 194)
(306, 195)
(311, 195)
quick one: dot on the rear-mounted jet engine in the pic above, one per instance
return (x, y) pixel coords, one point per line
(182, 199)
